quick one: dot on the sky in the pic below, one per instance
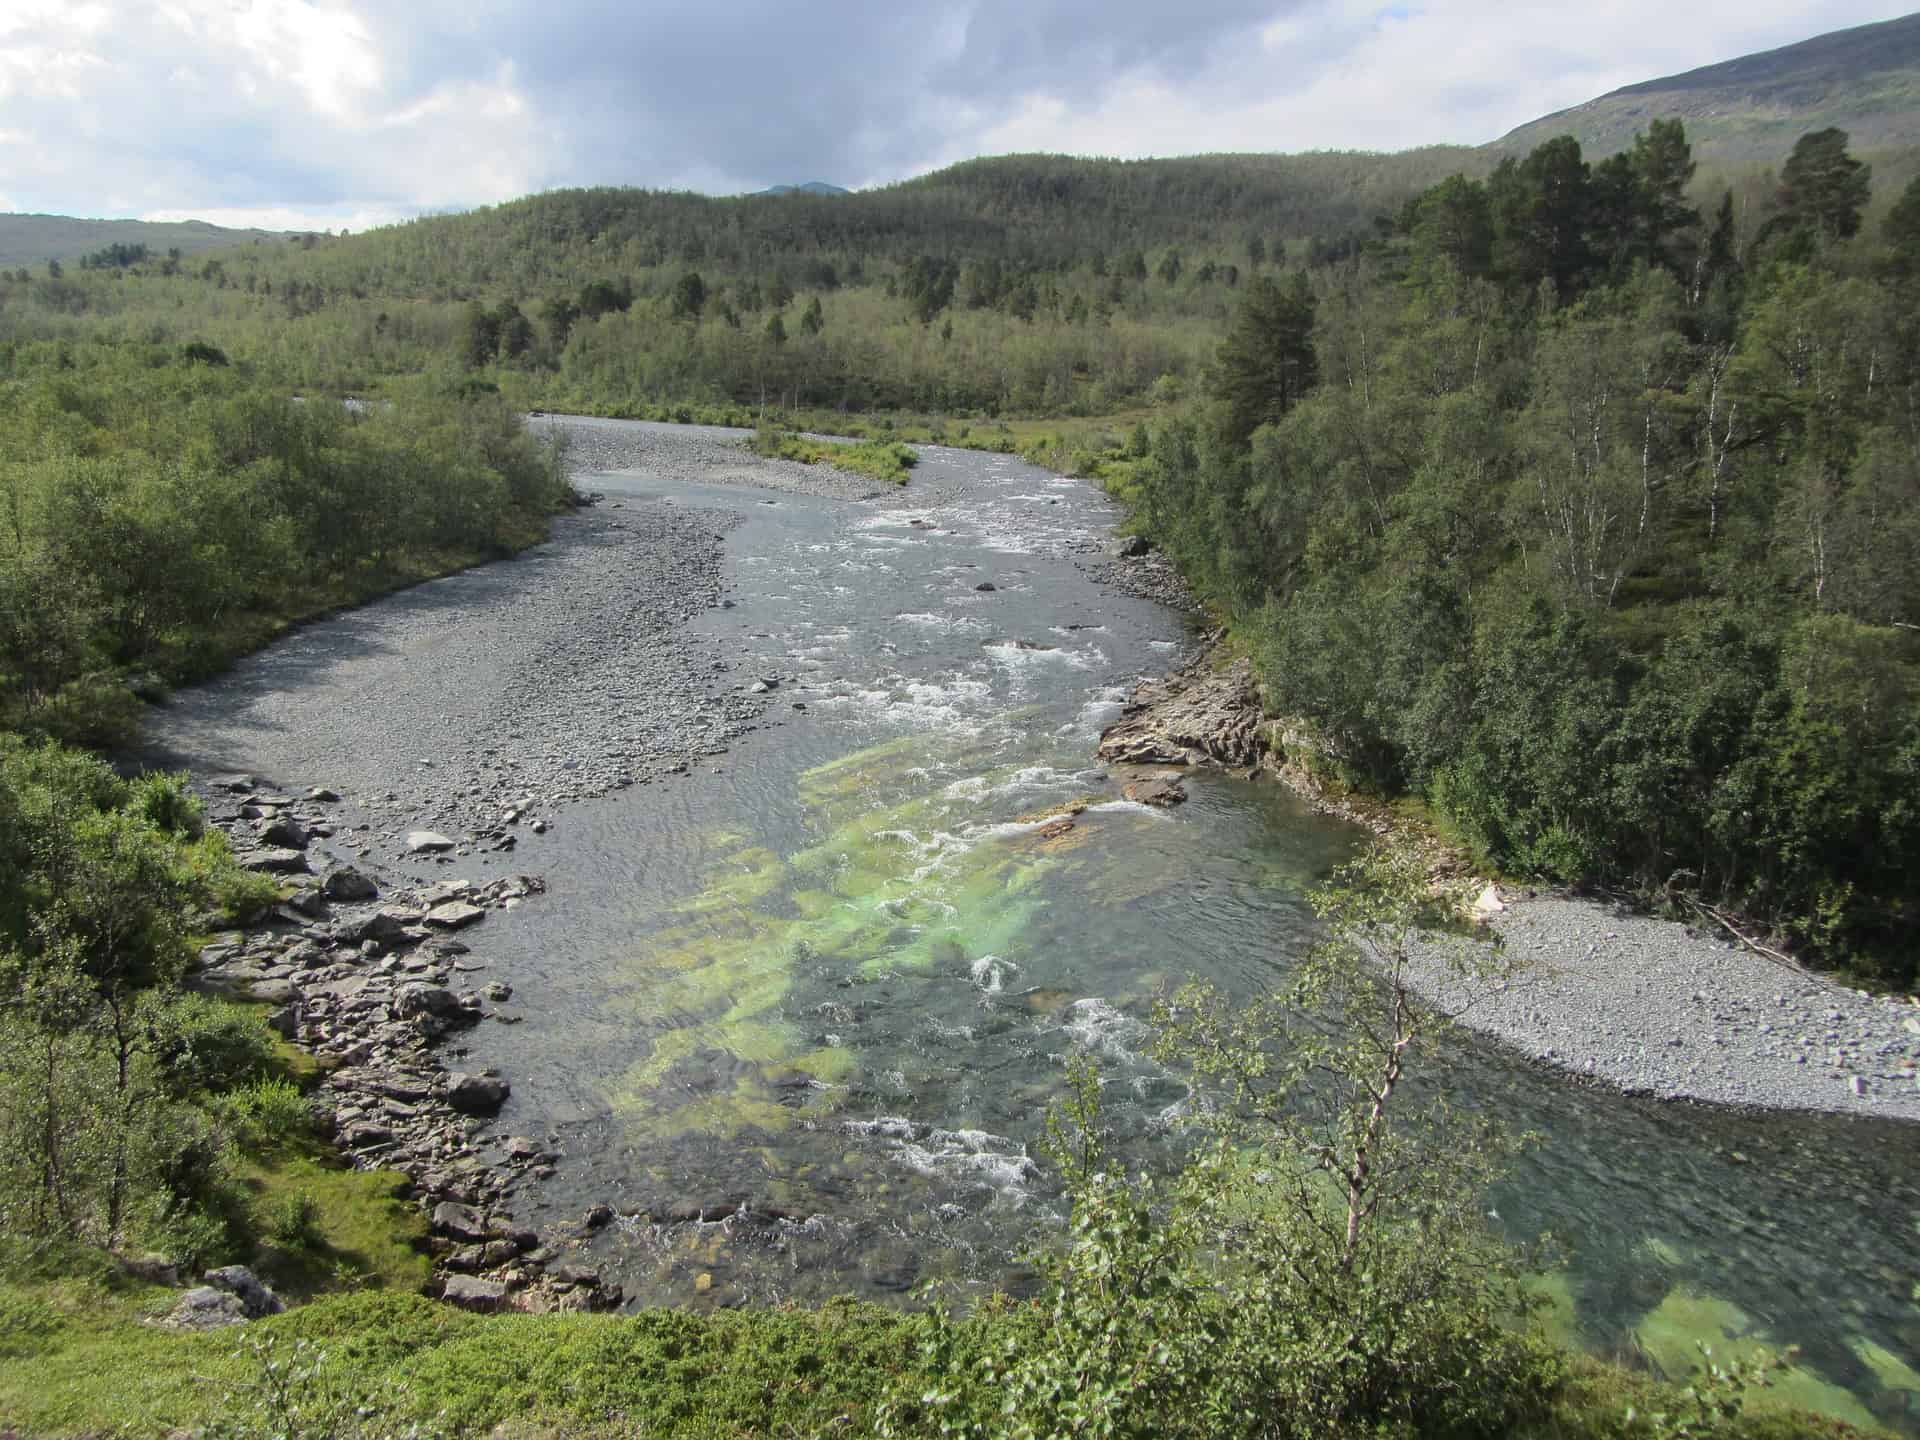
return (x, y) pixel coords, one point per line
(341, 114)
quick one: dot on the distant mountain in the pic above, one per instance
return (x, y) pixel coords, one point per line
(1865, 80)
(36, 239)
(806, 187)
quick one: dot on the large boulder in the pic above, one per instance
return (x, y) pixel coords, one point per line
(470, 1292)
(276, 860)
(284, 830)
(419, 998)
(1160, 790)
(242, 1283)
(343, 882)
(477, 1094)
(461, 1222)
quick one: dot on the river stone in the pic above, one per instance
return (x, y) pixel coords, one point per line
(476, 1094)
(275, 861)
(384, 927)
(462, 1222)
(238, 1280)
(417, 997)
(444, 891)
(472, 1293)
(1162, 790)
(206, 1309)
(285, 831)
(426, 842)
(273, 992)
(454, 915)
(343, 882)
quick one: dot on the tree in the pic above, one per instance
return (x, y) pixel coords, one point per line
(1542, 206)
(1901, 230)
(1662, 163)
(689, 296)
(1454, 222)
(812, 320)
(480, 335)
(1267, 361)
(1822, 187)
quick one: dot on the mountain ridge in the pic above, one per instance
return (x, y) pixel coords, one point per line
(1864, 80)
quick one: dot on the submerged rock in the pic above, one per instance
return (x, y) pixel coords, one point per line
(1161, 790)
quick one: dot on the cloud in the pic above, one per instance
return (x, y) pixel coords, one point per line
(339, 112)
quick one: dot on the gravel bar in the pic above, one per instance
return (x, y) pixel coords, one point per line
(1656, 1007)
(480, 704)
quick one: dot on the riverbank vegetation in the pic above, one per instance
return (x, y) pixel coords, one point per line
(1598, 528)
(163, 511)
(877, 459)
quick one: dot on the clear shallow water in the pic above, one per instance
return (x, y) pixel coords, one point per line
(835, 973)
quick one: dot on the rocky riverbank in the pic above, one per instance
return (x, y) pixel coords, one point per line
(1651, 1006)
(371, 978)
(414, 745)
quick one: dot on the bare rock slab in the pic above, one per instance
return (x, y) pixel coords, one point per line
(454, 915)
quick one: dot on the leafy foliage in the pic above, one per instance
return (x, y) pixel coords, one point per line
(1620, 513)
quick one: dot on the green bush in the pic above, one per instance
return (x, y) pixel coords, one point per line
(266, 1114)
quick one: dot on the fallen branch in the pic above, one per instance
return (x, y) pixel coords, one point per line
(1784, 961)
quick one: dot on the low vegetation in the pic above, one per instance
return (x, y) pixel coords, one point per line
(875, 459)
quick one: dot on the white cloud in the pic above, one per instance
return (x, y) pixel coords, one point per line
(1343, 75)
(323, 113)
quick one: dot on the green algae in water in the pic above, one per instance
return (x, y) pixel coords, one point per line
(1673, 1334)
(715, 984)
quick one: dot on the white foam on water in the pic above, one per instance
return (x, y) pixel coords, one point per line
(990, 973)
(1094, 1024)
(964, 1156)
(896, 1127)
(944, 623)
(1130, 807)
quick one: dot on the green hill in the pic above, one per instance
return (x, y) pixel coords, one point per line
(36, 239)
(1865, 80)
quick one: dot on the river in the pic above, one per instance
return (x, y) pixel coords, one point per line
(834, 973)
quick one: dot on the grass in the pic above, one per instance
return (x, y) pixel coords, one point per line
(80, 1358)
(876, 459)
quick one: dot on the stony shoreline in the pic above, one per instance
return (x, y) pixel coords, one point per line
(1647, 1005)
(587, 679)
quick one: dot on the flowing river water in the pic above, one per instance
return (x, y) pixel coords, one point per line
(835, 974)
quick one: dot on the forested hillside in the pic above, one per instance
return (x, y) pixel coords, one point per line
(1597, 526)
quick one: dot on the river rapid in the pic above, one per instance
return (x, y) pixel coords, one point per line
(796, 1008)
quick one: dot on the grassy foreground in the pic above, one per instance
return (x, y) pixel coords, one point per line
(79, 1358)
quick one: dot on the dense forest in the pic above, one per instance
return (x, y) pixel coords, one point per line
(1597, 525)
